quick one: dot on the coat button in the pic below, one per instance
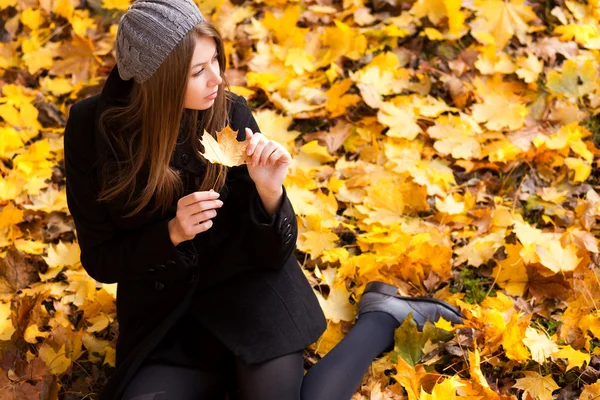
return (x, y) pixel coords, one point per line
(161, 267)
(191, 279)
(185, 159)
(158, 285)
(150, 271)
(287, 238)
(170, 263)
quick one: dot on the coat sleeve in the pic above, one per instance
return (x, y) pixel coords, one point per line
(272, 238)
(109, 254)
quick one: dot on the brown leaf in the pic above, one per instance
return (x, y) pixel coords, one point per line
(16, 272)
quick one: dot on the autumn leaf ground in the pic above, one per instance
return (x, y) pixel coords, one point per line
(449, 148)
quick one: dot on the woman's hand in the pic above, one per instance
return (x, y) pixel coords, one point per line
(267, 164)
(194, 213)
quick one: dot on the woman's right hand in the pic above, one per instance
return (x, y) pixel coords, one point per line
(194, 213)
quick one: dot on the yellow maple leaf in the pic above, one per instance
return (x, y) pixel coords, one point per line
(499, 112)
(337, 306)
(581, 168)
(315, 238)
(63, 254)
(539, 344)
(480, 249)
(329, 339)
(56, 361)
(538, 386)
(409, 377)
(445, 390)
(512, 339)
(400, 119)
(573, 81)
(502, 20)
(33, 332)
(557, 258)
(226, 149)
(574, 357)
(590, 392)
(510, 274)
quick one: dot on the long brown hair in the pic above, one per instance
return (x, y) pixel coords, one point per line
(143, 133)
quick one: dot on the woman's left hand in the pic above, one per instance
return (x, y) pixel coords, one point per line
(268, 162)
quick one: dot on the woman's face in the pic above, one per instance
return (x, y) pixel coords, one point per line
(204, 75)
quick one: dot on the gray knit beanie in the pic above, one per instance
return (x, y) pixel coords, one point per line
(147, 33)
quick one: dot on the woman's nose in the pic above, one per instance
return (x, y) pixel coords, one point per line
(215, 77)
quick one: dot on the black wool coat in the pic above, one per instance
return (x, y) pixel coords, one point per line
(240, 277)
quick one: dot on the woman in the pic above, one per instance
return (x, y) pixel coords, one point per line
(211, 300)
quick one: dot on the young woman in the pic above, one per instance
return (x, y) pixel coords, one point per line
(211, 301)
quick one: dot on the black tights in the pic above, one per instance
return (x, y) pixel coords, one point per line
(335, 377)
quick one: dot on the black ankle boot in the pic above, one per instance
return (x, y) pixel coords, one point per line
(379, 296)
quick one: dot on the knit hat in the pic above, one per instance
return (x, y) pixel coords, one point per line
(147, 33)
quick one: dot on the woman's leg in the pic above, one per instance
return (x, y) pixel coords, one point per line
(337, 375)
(156, 381)
(276, 379)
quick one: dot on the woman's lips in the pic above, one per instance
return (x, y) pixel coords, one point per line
(211, 96)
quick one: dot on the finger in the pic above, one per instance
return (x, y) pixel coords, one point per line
(279, 155)
(195, 197)
(207, 205)
(249, 134)
(254, 141)
(203, 216)
(269, 148)
(258, 151)
(204, 226)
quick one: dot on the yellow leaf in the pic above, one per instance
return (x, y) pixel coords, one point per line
(539, 344)
(512, 340)
(110, 355)
(510, 273)
(529, 68)
(316, 238)
(32, 18)
(502, 20)
(4, 4)
(317, 152)
(590, 392)
(337, 306)
(401, 121)
(499, 112)
(539, 387)
(449, 205)
(444, 391)
(226, 149)
(443, 324)
(409, 377)
(329, 339)
(574, 357)
(557, 258)
(32, 332)
(116, 4)
(6, 326)
(63, 254)
(581, 168)
(573, 81)
(57, 362)
(480, 249)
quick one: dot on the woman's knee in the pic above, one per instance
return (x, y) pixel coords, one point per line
(155, 381)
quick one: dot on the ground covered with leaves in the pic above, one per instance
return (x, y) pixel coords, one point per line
(446, 147)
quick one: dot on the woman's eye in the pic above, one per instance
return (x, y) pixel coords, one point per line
(215, 58)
